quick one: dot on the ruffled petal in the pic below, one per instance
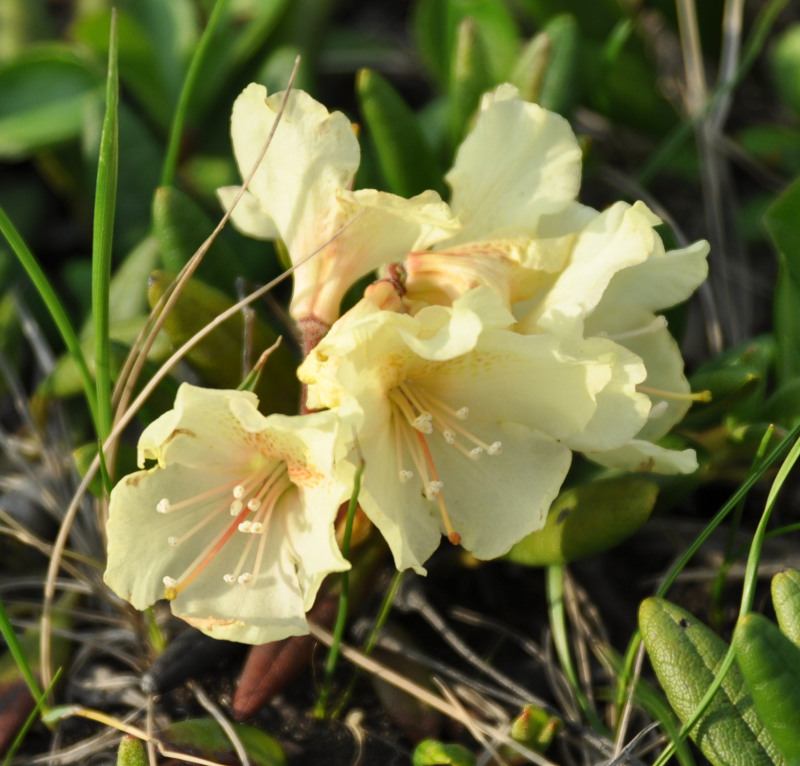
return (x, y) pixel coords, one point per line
(620, 237)
(313, 153)
(518, 163)
(200, 430)
(646, 457)
(495, 501)
(248, 216)
(647, 336)
(663, 280)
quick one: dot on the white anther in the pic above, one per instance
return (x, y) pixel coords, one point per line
(238, 491)
(475, 452)
(449, 436)
(256, 528)
(462, 413)
(495, 448)
(245, 526)
(163, 505)
(253, 503)
(657, 410)
(229, 578)
(173, 541)
(244, 578)
(236, 507)
(169, 582)
(406, 475)
(423, 423)
(433, 489)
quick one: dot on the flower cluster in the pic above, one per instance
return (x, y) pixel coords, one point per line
(512, 328)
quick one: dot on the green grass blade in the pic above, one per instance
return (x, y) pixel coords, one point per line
(30, 720)
(179, 120)
(7, 631)
(558, 626)
(103, 235)
(54, 307)
(344, 599)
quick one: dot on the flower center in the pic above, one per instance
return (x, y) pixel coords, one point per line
(416, 414)
(242, 506)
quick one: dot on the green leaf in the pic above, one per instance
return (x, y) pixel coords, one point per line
(436, 24)
(770, 664)
(218, 357)
(103, 235)
(786, 322)
(22, 22)
(131, 752)
(727, 386)
(173, 28)
(685, 655)
(784, 59)
(404, 156)
(560, 88)
(205, 737)
(128, 288)
(469, 78)
(586, 520)
(138, 62)
(65, 379)
(781, 222)
(431, 752)
(786, 600)
(181, 227)
(43, 96)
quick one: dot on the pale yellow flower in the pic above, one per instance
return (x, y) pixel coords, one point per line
(301, 194)
(234, 524)
(465, 425)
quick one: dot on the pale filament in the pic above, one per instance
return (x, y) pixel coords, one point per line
(255, 497)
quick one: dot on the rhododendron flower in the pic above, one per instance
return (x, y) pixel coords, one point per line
(301, 193)
(514, 183)
(466, 426)
(235, 522)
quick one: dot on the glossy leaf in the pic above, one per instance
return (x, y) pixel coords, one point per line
(181, 227)
(44, 93)
(586, 520)
(685, 655)
(560, 87)
(770, 664)
(784, 58)
(781, 222)
(138, 63)
(404, 156)
(470, 78)
(205, 737)
(436, 23)
(431, 752)
(218, 358)
(786, 600)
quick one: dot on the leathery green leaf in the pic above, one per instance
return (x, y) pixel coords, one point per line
(218, 358)
(205, 737)
(685, 655)
(786, 600)
(586, 520)
(770, 664)
(181, 226)
(469, 78)
(404, 156)
(46, 92)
